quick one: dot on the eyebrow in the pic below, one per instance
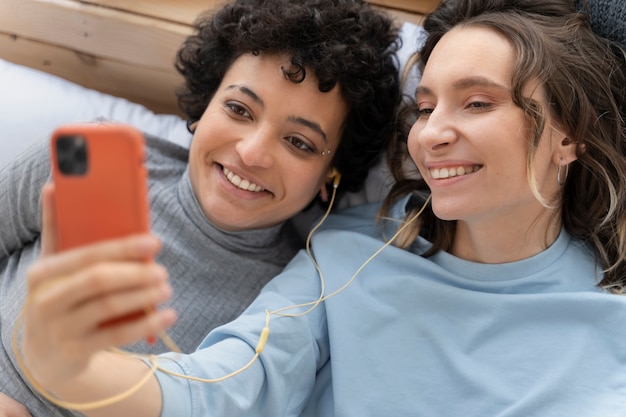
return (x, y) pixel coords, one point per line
(464, 83)
(293, 119)
(310, 124)
(247, 92)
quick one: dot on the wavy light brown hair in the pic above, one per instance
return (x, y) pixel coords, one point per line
(584, 77)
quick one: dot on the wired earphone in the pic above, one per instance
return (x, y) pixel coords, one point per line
(335, 175)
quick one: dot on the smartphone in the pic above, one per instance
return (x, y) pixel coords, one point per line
(100, 183)
(100, 187)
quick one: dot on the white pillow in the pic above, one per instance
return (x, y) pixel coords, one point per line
(413, 38)
(33, 103)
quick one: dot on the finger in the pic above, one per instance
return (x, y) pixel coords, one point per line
(48, 225)
(73, 310)
(134, 248)
(114, 309)
(100, 284)
(11, 408)
(124, 333)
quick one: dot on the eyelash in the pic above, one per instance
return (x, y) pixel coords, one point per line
(479, 105)
(418, 111)
(474, 105)
(299, 144)
(424, 112)
(238, 110)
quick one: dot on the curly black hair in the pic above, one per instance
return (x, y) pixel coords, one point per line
(343, 42)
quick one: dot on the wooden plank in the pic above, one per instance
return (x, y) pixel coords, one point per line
(187, 11)
(401, 16)
(184, 12)
(95, 30)
(151, 87)
(415, 6)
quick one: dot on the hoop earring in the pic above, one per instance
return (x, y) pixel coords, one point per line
(560, 180)
(190, 126)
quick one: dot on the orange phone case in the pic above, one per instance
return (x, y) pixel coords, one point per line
(107, 200)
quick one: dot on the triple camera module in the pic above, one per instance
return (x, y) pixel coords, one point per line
(72, 155)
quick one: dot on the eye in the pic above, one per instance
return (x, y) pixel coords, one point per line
(237, 109)
(299, 144)
(478, 105)
(424, 112)
(424, 107)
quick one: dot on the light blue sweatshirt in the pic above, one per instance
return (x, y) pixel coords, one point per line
(415, 336)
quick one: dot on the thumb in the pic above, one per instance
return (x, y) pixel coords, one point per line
(48, 224)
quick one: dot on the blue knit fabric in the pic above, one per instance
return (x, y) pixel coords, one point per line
(607, 18)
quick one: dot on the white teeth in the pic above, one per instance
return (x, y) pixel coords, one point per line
(441, 173)
(239, 183)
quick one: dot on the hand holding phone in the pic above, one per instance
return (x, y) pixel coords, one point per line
(100, 186)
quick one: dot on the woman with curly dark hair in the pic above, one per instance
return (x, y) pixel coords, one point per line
(336, 43)
(287, 99)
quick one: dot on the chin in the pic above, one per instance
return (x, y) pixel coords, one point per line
(447, 212)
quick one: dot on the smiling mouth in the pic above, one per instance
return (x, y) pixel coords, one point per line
(450, 172)
(240, 183)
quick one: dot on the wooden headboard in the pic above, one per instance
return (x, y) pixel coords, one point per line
(121, 47)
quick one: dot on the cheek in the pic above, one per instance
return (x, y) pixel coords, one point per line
(303, 185)
(194, 155)
(210, 135)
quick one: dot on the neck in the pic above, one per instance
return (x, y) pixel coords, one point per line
(486, 243)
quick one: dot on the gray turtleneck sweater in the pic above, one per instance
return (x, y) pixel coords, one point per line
(214, 274)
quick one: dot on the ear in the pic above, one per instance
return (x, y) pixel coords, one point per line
(565, 150)
(333, 175)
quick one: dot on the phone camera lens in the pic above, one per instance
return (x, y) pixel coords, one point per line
(72, 155)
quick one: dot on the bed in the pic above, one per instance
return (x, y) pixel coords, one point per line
(78, 60)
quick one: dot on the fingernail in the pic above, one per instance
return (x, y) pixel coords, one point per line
(149, 243)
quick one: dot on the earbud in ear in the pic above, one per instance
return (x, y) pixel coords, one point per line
(336, 176)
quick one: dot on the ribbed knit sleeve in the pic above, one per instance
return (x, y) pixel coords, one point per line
(20, 188)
